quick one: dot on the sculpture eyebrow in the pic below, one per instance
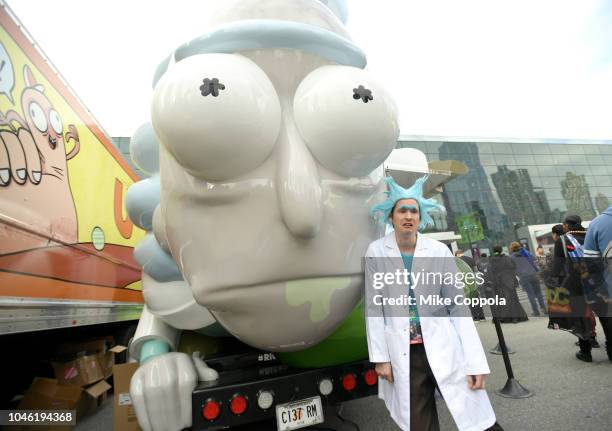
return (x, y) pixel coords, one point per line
(211, 86)
(362, 93)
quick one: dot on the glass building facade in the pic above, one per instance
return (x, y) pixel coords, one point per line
(513, 184)
(509, 184)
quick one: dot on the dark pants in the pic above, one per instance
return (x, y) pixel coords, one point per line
(602, 311)
(423, 411)
(531, 284)
(477, 312)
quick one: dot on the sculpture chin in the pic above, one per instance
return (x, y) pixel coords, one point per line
(285, 316)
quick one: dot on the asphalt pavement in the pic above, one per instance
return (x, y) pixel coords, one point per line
(568, 394)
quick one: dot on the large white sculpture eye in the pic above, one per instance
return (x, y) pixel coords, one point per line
(38, 117)
(217, 114)
(347, 119)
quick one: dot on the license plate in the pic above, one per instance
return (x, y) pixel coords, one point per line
(299, 414)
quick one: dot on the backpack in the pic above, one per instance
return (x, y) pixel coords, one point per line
(593, 274)
(574, 250)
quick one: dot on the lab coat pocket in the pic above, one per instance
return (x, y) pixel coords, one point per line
(399, 352)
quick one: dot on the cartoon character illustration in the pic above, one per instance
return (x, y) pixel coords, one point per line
(271, 136)
(41, 253)
(34, 187)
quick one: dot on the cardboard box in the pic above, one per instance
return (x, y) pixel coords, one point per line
(124, 416)
(94, 396)
(82, 371)
(48, 394)
(86, 362)
(75, 349)
(107, 360)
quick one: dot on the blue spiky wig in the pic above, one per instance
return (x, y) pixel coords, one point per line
(397, 192)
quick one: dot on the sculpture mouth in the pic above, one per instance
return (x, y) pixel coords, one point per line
(287, 315)
(310, 281)
(315, 292)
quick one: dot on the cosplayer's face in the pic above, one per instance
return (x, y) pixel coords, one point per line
(406, 216)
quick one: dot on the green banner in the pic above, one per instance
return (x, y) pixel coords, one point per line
(470, 229)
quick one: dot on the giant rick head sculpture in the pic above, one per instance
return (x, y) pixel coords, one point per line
(271, 137)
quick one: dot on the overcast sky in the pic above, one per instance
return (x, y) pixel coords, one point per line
(511, 68)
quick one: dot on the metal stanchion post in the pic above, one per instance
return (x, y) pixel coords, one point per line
(497, 350)
(512, 389)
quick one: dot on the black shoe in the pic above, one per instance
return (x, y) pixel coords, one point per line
(594, 343)
(585, 357)
(495, 427)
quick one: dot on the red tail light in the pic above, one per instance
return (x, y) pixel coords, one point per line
(239, 404)
(349, 382)
(370, 377)
(211, 410)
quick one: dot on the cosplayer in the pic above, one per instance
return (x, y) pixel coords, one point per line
(427, 348)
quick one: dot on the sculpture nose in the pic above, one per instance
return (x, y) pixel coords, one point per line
(298, 183)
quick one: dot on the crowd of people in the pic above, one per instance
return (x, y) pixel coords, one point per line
(576, 276)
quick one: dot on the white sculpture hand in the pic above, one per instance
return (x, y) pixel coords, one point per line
(161, 392)
(205, 373)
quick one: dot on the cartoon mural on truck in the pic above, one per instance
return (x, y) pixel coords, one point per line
(34, 169)
(64, 231)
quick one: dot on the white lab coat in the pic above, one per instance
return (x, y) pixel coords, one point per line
(451, 343)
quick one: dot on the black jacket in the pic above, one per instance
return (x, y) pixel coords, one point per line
(562, 266)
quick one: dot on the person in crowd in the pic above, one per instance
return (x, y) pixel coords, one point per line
(540, 257)
(482, 262)
(564, 267)
(598, 249)
(598, 245)
(573, 324)
(410, 373)
(546, 267)
(467, 259)
(471, 289)
(481, 266)
(556, 232)
(501, 273)
(527, 272)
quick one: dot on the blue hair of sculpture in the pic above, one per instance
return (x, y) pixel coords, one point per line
(397, 192)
